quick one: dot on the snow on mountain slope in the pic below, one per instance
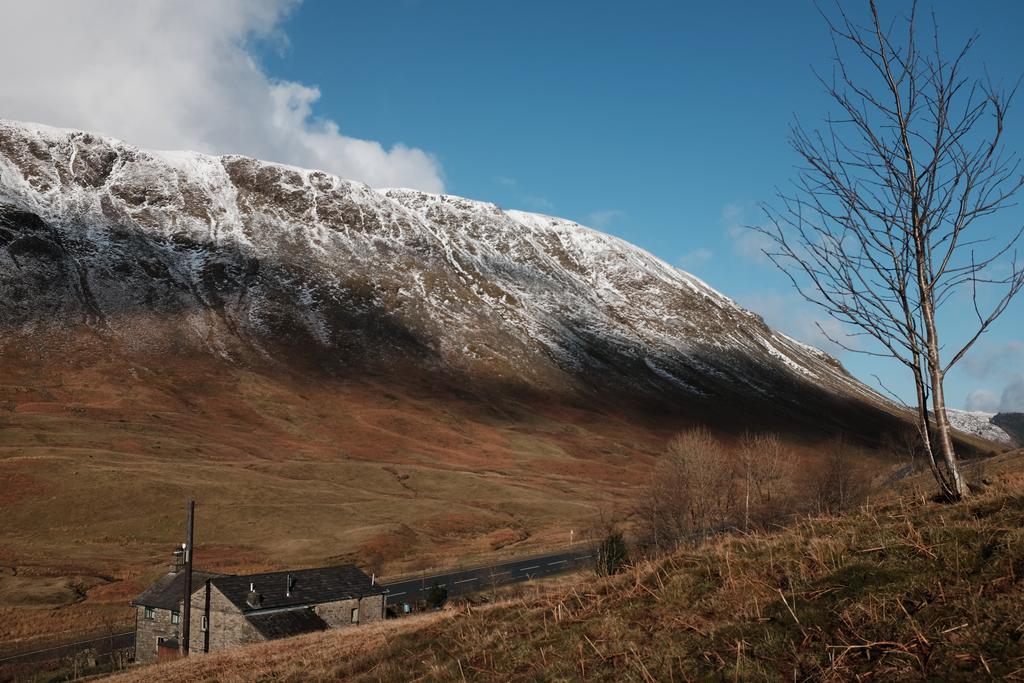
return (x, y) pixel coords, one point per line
(979, 423)
(243, 254)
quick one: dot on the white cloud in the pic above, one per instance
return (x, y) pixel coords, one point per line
(1012, 400)
(982, 399)
(695, 258)
(169, 74)
(748, 243)
(604, 218)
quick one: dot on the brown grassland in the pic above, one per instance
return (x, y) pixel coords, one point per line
(902, 588)
(99, 454)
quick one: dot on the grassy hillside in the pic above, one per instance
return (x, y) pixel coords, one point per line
(902, 589)
(99, 455)
(100, 449)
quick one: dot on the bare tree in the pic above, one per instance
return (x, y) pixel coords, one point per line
(884, 224)
(760, 458)
(663, 508)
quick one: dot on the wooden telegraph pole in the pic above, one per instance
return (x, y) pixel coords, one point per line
(186, 612)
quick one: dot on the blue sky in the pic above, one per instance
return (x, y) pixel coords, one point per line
(662, 123)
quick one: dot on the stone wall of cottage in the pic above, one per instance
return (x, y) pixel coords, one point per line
(339, 614)
(371, 608)
(227, 626)
(148, 630)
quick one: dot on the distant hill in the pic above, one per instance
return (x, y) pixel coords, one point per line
(1012, 424)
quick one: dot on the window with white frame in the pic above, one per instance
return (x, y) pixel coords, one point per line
(149, 613)
(175, 618)
(355, 615)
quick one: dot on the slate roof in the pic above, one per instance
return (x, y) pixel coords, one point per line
(309, 587)
(169, 589)
(285, 623)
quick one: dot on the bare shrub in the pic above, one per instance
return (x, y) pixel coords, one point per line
(908, 447)
(691, 492)
(839, 482)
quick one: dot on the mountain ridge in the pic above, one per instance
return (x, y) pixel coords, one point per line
(264, 251)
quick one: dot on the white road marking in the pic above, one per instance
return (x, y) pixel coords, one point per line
(526, 569)
(466, 580)
(559, 562)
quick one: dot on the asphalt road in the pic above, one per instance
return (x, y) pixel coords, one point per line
(463, 581)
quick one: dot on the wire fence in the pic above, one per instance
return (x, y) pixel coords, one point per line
(80, 650)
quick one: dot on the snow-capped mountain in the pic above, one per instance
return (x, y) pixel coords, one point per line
(980, 423)
(239, 257)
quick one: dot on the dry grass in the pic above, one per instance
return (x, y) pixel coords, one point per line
(98, 457)
(902, 589)
(100, 448)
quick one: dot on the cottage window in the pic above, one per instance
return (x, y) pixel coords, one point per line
(148, 613)
(355, 615)
(175, 618)
(206, 623)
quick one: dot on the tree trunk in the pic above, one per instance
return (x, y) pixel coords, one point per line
(953, 480)
(924, 426)
(952, 483)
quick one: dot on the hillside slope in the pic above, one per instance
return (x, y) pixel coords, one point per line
(337, 373)
(902, 590)
(246, 259)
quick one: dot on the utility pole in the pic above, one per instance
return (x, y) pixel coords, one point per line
(186, 612)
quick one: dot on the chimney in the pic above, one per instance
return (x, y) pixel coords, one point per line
(253, 600)
(178, 559)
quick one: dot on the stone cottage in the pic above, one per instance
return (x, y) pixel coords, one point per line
(231, 610)
(158, 614)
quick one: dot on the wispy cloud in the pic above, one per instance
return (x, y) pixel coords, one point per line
(695, 258)
(996, 363)
(1012, 400)
(982, 399)
(748, 243)
(538, 203)
(790, 314)
(506, 181)
(990, 361)
(605, 217)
